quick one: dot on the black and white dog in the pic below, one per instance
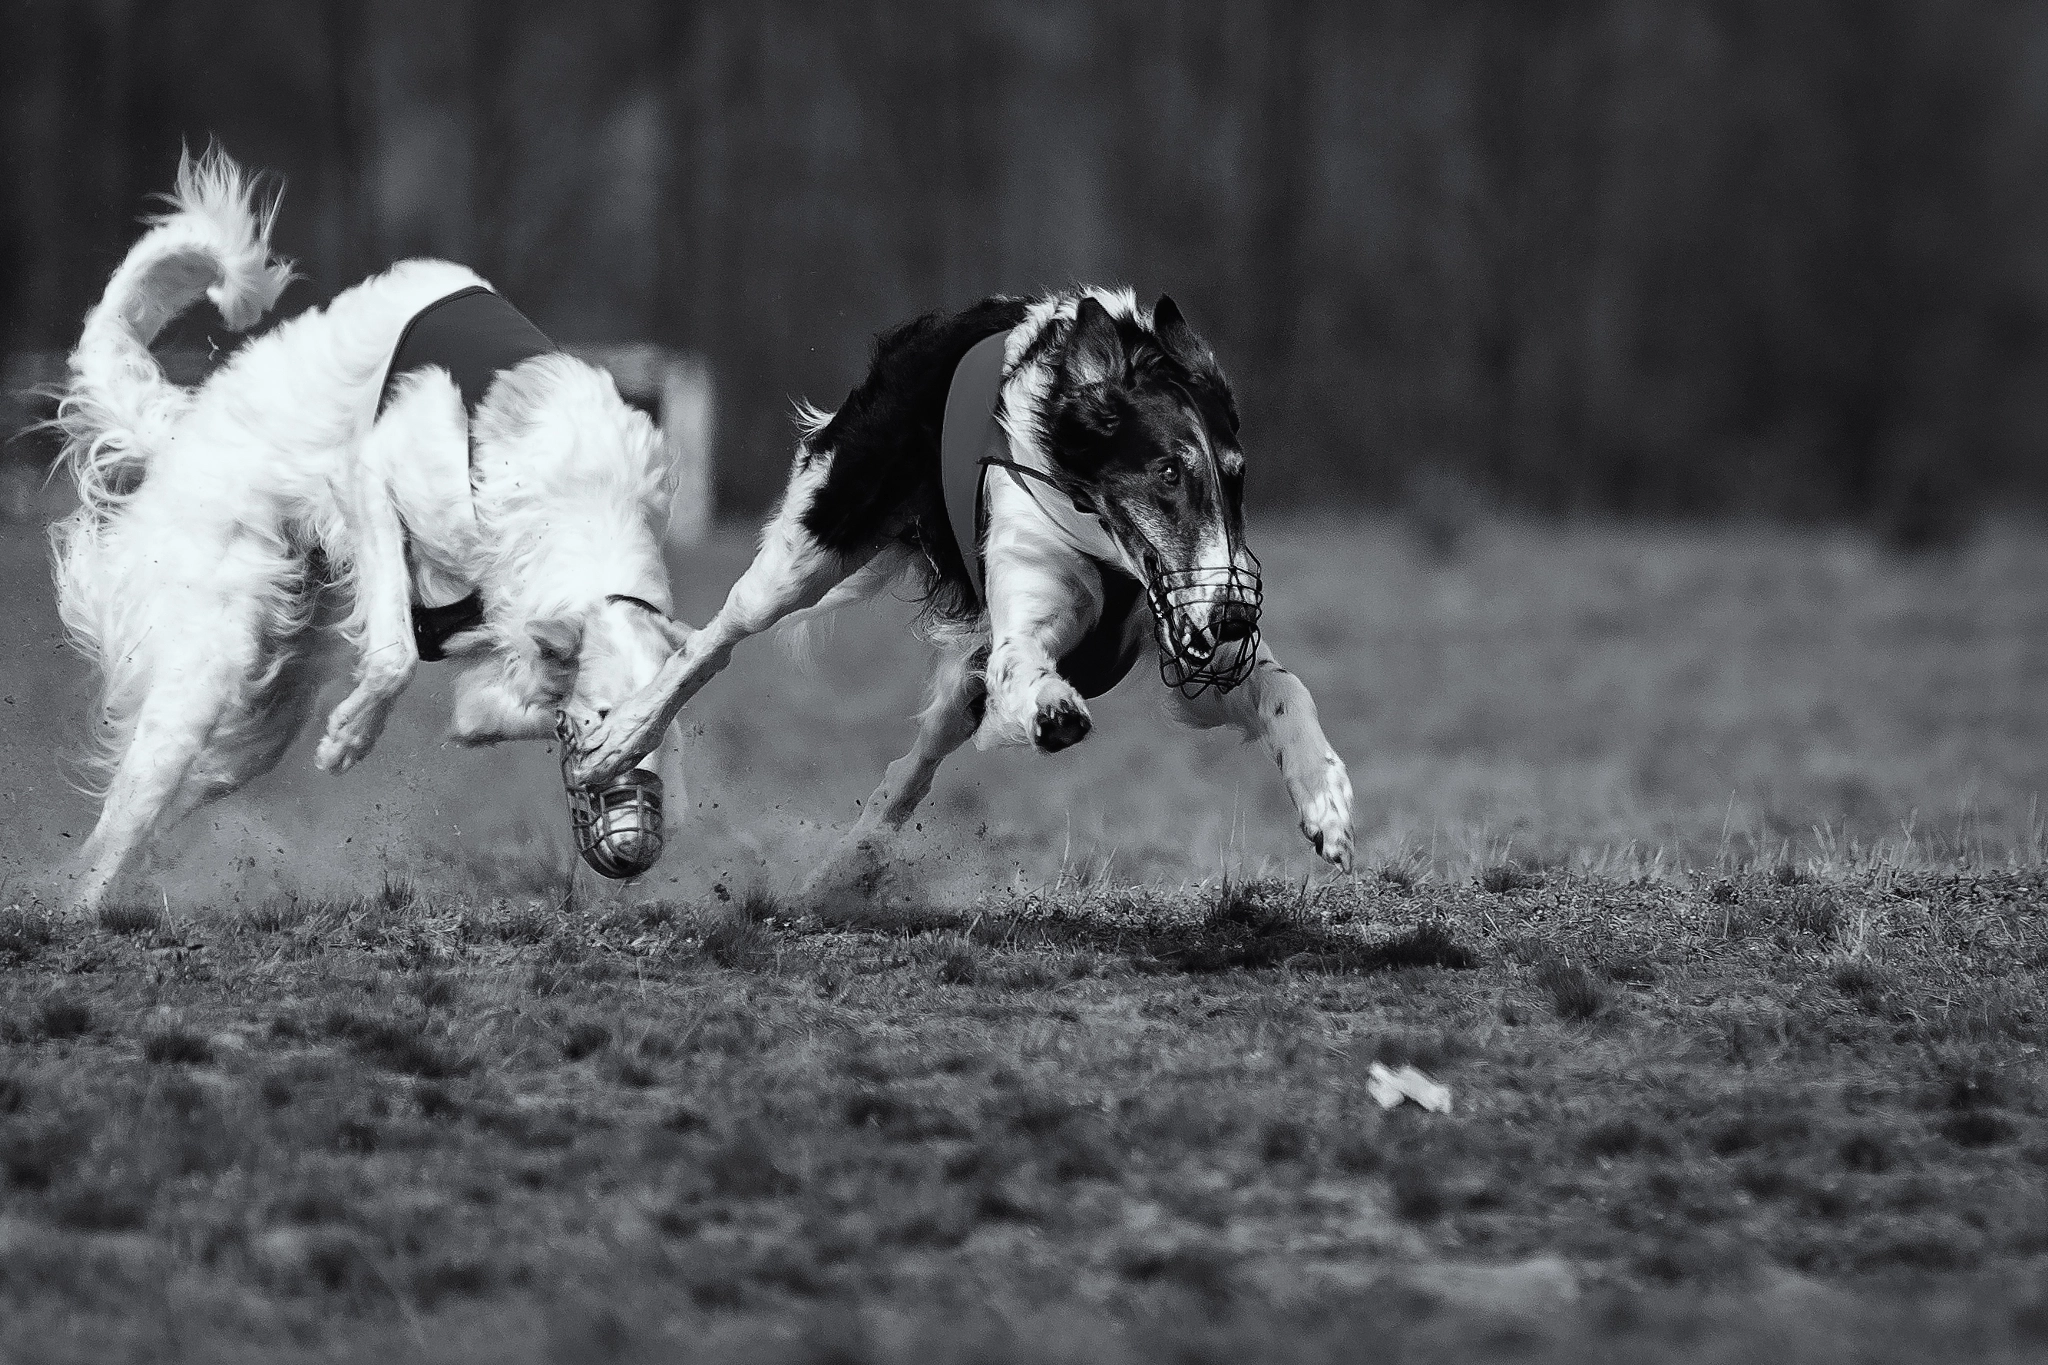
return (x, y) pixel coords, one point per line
(1100, 463)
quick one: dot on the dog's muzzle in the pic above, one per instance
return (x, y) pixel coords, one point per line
(1193, 657)
(617, 824)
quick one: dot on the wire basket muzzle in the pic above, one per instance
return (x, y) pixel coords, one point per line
(1196, 654)
(617, 825)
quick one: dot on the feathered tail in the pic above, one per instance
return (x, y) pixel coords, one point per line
(119, 407)
(214, 241)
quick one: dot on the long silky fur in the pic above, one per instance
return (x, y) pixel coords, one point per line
(230, 492)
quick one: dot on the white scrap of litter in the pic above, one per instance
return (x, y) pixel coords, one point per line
(1390, 1086)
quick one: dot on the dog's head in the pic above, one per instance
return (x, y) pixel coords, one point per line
(591, 661)
(1143, 430)
(599, 659)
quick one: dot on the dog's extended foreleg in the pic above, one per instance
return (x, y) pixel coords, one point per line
(422, 426)
(791, 572)
(1042, 601)
(1273, 707)
(389, 654)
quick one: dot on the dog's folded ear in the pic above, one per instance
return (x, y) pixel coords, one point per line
(1085, 420)
(1095, 351)
(558, 638)
(675, 632)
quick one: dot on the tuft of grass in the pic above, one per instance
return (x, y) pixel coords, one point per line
(63, 1018)
(524, 926)
(1978, 1128)
(34, 1156)
(633, 1072)
(1968, 1082)
(1204, 1270)
(131, 917)
(396, 1045)
(1502, 878)
(745, 1167)
(101, 1206)
(584, 1039)
(1574, 992)
(1868, 1151)
(960, 966)
(1814, 912)
(437, 990)
(1630, 969)
(736, 940)
(1624, 1137)
(1870, 987)
(23, 935)
(177, 1047)
(277, 915)
(1415, 1192)
(1429, 944)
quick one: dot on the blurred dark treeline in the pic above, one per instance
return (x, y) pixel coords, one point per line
(1764, 256)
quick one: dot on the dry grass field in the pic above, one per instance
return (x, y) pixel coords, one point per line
(1704, 867)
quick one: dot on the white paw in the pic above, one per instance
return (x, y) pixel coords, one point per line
(1326, 814)
(616, 744)
(1048, 714)
(337, 754)
(350, 733)
(1062, 719)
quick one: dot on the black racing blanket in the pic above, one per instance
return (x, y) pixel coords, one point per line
(475, 336)
(969, 439)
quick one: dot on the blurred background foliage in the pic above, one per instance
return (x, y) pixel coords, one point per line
(1780, 257)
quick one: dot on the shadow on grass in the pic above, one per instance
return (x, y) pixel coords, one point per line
(1248, 925)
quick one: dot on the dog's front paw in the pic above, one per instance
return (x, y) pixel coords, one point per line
(1326, 815)
(616, 744)
(1061, 721)
(338, 754)
(351, 731)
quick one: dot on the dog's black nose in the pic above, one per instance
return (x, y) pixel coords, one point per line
(1234, 623)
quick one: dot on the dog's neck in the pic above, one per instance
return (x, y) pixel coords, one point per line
(1014, 500)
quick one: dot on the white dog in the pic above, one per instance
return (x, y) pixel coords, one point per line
(499, 501)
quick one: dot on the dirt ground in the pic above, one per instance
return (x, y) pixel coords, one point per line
(1704, 868)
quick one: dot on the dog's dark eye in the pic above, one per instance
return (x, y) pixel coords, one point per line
(1169, 472)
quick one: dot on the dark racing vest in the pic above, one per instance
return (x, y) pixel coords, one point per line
(970, 442)
(475, 336)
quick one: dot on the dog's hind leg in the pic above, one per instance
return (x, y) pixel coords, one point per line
(1274, 707)
(792, 571)
(197, 681)
(857, 864)
(947, 723)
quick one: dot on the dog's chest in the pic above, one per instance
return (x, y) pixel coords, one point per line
(475, 336)
(972, 445)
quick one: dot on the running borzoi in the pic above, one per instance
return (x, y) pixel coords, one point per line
(1040, 466)
(484, 495)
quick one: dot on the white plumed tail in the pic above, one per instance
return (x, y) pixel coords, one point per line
(215, 241)
(119, 407)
